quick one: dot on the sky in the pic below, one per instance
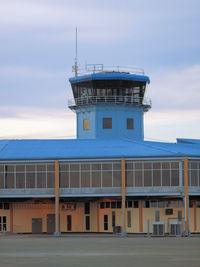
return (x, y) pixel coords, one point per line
(37, 51)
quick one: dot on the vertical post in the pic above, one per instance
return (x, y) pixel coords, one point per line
(140, 216)
(123, 195)
(195, 215)
(11, 217)
(57, 210)
(186, 195)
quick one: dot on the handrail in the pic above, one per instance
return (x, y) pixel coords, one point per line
(92, 100)
(100, 68)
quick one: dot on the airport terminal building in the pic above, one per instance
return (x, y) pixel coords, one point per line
(108, 179)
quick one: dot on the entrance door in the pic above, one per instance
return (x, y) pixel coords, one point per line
(50, 223)
(36, 225)
(69, 222)
(3, 224)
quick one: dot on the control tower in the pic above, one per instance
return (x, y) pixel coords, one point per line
(110, 102)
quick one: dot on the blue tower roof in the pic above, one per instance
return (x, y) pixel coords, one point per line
(110, 76)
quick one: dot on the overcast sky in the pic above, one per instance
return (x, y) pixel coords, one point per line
(37, 50)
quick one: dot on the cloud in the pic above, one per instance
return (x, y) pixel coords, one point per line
(175, 89)
(29, 122)
(58, 21)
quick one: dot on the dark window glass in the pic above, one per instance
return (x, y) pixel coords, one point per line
(129, 178)
(87, 222)
(119, 204)
(30, 180)
(113, 218)
(107, 205)
(85, 179)
(107, 123)
(1, 180)
(41, 180)
(128, 218)
(129, 124)
(157, 215)
(50, 180)
(174, 177)
(87, 208)
(116, 179)
(105, 222)
(148, 178)
(20, 180)
(74, 179)
(113, 205)
(136, 204)
(6, 206)
(130, 202)
(107, 178)
(102, 205)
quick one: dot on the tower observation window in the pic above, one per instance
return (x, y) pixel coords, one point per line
(107, 123)
(86, 125)
(129, 123)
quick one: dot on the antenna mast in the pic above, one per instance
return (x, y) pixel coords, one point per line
(76, 60)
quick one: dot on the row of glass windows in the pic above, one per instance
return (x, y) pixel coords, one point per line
(97, 174)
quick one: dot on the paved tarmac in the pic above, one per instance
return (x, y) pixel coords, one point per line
(25, 250)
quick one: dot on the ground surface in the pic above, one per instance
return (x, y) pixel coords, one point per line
(98, 251)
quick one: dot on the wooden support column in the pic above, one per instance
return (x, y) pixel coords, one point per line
(195, 215)
(140, 216)
(186, 195)
(123, 187)
(11, 217)
(57, 208)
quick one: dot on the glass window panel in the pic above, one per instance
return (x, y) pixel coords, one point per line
(154, 204)
(50, 180)
(147, 178)
(85, 167)
(64, 179)
(30, 168)
(157, 165)
(30, 180)
(129, 123)
(129, 178)
(96, 179)
(1, 180)
(41, 168)
(174, 177)
(41, 180)
(107, 123)
(165, 165)
(20, 168)
(1, 168)
(194, 165)
(117, 166)
(194, 178)
(165, 178)
(147, 165)
(50, 167)
(138, 178)
(74, 167)
(107, 166)
(156, 177)
(116, 179)
(74, 180)
(9, 180)
(64, 167)
(20, 180)
(85, 179)
(128, 218)
(175, 165)
(129, 166)
(9, 168)
(96, 166)
(107, 179)
(161, 204)
(138, 166)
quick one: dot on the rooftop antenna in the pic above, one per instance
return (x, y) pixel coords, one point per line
(75, 67)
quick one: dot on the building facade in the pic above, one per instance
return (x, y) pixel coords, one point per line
(108, 179)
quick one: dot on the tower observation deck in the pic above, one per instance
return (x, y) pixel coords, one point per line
(110, 103)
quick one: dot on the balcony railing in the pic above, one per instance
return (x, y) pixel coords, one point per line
(93, 100)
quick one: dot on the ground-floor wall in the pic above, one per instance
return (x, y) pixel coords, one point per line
(97, 215)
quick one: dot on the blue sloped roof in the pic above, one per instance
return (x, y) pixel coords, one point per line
(92, 148)
(110, 76)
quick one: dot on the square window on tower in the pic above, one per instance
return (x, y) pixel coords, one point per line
(86, 125)
(129, 124)
(107, 123)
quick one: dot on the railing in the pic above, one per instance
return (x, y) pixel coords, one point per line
(100, 68)
(93, 100)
